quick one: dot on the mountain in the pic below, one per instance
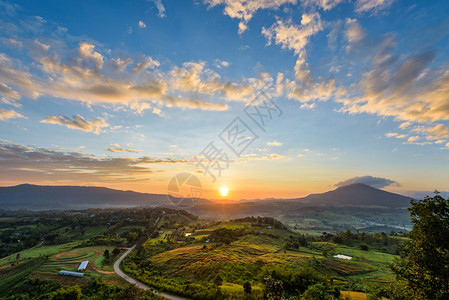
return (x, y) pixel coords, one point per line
(36, 197)
(357, 194)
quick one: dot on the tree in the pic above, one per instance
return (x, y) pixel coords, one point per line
(106, 254)
(274, 288)
(316, 292)
(116, 251)
(67, 293)
(218, 281)
(423, 265)
(247, 288)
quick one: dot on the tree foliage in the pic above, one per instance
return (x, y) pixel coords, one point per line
(424, 262)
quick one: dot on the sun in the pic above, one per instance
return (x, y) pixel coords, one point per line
(224, 191)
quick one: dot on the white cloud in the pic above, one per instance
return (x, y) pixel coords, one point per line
(435, 132)
(194, 77)
(144, 63)
(160, 8)
(408, 88)
(82, 77)
(9, 114)
(307, 106)
(245, 9)
(78, 122)
(116, 148)
(87, 54)
(293, 36)
(376, 182)
(354, 32)
(142, 24)
(8, 92)
(323, 4)
(395, 135)
(274, 143)
(41, 46)
(139, 107)
(12, 42)
(30, 163)
(221, 63)
(372, 5)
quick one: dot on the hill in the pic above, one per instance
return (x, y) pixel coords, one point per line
(36, 197)
(357, 194)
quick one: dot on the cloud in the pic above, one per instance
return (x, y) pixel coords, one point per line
(395, 135)
(9, 114)
(244, 10)
(323, 4)
(294, 36)
(274, 143)
(82, 77)
(87, 54)
(376, 182)
(144, 63)
(354, 32)
(160, 8)
(142, 24)
(372, 5)
(265, 156)
(120, 64)
(307, 106)
(436, 132)
(12, 42)
(194, 77)
(8, 92)
(221, 64)
(9, 75)
(408, 88)
(288, 35)
(78, 122)
(21, 163)
(116, 148)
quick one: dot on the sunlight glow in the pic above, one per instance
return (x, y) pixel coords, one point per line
(224, 191)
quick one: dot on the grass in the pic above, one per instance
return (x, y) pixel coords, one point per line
(10, 277)
(235, 291)
(364, 256)
(40, 251)
(61, 257)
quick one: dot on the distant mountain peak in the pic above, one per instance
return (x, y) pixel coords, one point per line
(359, 194)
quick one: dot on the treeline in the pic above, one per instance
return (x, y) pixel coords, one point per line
(24, 230)
(95, 290)
(382, 241)
(263, 221)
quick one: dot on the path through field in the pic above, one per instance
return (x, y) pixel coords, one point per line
(135, 282)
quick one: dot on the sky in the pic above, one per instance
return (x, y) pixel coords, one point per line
(269, 99)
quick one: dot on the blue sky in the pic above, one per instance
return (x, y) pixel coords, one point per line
(126, 95)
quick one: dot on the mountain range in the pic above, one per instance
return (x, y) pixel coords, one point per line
(36, 197)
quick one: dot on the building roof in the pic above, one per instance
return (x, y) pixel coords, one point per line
(83, 265)
(64, 272)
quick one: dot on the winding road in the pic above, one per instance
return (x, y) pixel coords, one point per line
(135, 282)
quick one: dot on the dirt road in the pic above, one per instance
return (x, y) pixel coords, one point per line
(135, 282)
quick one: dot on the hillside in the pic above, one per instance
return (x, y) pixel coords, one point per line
(358, 194)
(36, 197)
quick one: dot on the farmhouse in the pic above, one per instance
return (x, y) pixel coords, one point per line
(83, 265)
(64, 272)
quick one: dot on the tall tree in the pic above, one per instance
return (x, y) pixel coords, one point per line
(424, 262)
